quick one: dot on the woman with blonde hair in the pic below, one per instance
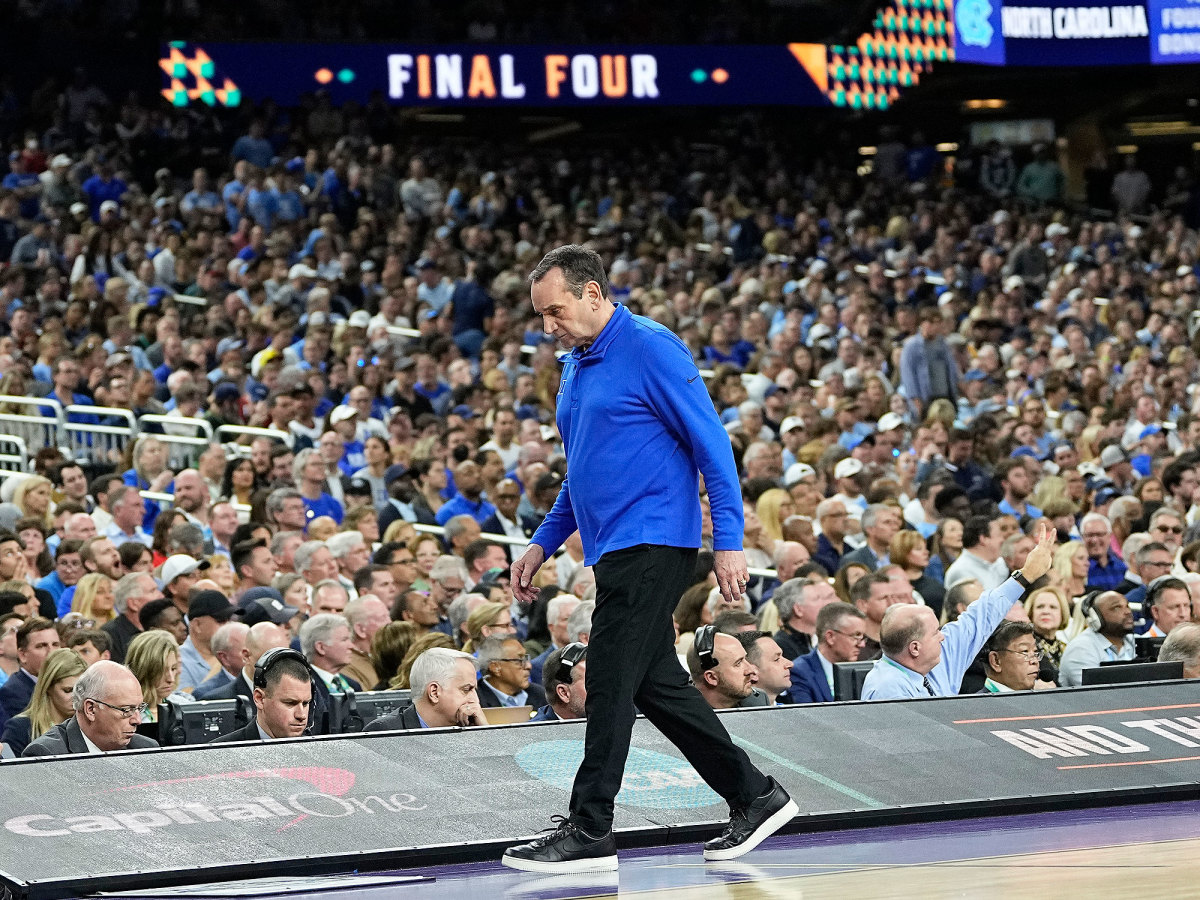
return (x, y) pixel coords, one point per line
(909, 551)
(220, 570)
(50, 704)
(1049, 489)
(94, 598)
(388, 649)
(400, 531)
(1070, 567)
(32, 497)
(153, 658)
(1049, 613)
(486, 620)
(773, 508)
(419, 646)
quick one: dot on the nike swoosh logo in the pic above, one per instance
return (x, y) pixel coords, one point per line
(693, 378)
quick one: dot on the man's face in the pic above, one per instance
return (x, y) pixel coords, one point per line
(128, 511)
(507, 497)
(574, 695)
(74, 483)
(357, 557)
(1174, 606)
(223, 521)
(815, 598)
(281, 470)
(732, 676)
(1096, 536)
(293, 514)
(773, 669)
(445, 590)
(336, 650)
(468, 478)
(283, 709)
(1017, 483)
(89, 654)
(1016, 666)
(108, 728)
(383, 586)
(1115, 613)
(321, 566)
(38, 645)
(1158, 563)
(570, 320)
(1168, 530)
(885, 528)
(11, 560)
(505, 427)
(454, 698)
(513, 671)
(421, 609)
(845, 639)
(834, 522)
(190, 493)
(329, 599)
(80, 527)
(404, 568)
(262, 567)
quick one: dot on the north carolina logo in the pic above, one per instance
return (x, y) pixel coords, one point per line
(972, 19)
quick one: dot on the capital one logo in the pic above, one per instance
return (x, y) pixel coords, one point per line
(972, 19)
(328, 799)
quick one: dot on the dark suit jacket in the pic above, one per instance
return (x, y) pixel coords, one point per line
(120, 632)
(863, 555)
(16, 734)
(794, 644)
(537, 664)
(231, 690)
(489, 699)
(206, 687)
(248, 732)
(67, 738)
(808, 681)
(15, 695)
(321, 703)
(404, 720)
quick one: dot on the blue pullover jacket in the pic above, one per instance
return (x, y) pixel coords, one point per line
(637, 423)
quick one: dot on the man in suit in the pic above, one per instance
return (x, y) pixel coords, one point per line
(506, 496)
(108, 708)
(772, 670)
(1010, 659)
(36, 640)
(566, 688)
(505, 666)
(282, 699)
(326, 643)
(879, 524)
(227, 646)
(443, 684)
(260, 638)
(840, 635)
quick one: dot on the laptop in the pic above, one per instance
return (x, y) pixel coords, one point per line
(508, 715)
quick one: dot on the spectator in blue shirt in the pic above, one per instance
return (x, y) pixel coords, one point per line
(103, 186)
(1106, 570)
(253, 147)
(308, 471)
(201, 198)
(468, 501)
(1017, 485)
(922, 660)
(25, 185)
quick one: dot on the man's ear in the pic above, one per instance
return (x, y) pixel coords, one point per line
(710, 677)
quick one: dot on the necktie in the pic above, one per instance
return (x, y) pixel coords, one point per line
(339, 685)
(928, 687)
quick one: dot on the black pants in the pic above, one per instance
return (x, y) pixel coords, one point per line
(631, 659)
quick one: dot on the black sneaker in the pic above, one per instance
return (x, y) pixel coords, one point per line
(566, 849)
(751, 826)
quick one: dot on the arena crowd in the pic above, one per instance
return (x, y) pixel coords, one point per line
(315, 414)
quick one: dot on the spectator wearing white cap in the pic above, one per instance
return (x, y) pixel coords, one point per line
(849, 491)
(792, 434)
(179, 573)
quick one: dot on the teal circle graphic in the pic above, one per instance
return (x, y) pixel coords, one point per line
(651, 779)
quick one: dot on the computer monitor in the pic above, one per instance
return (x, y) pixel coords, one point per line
(1132, 673)
(848, 679)
(200, 722)
(1148, 647)
(352, 711)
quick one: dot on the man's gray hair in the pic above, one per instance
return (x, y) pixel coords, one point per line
(579, 622)
(1143, 553)
(226, 634)
(554, 607)
(435, 665)
(1164, 512)
(185, 537)
(358, 611)
(872, 513)
(131, 585)
(92, 684)
(280, 541)
(1095, 517)
(343, 542)
(1182, 645)
(826, 506)
(447, 567)
(279, 496)
(957, 593)
(491, 649)
(578, 265)
(329, 583)
(1133, 545)
(754, 451)
(786, 596)
(319, 629)
(300, 462)
(458, 610)
(302, 558)
(456, 526)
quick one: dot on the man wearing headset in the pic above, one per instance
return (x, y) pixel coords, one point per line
(282, 696)
(566, 693)
(1109, 636)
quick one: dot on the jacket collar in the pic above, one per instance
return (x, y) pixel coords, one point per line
(608, 334)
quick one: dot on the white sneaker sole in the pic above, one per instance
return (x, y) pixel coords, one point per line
(764, 831)
(573, 867)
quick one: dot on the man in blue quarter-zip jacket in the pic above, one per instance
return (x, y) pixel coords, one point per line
(637, 426)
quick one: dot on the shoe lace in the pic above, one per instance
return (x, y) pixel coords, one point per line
(562, 827)
(736, 816)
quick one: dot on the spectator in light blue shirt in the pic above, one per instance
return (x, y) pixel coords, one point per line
(921, 660)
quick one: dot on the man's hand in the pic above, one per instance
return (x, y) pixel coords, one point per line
(523, 570)
(1038, 562)
(732, 575)
(470, 715)
(164, 478)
